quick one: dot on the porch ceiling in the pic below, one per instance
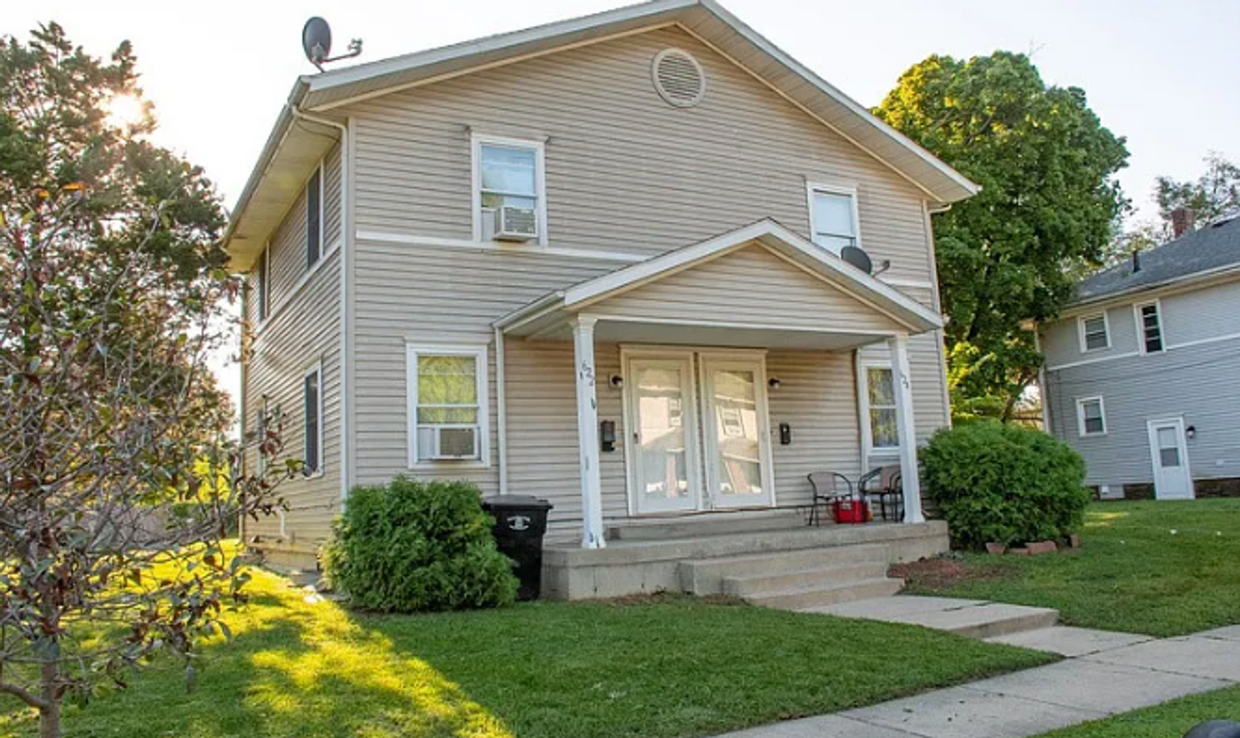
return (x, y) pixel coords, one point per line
(680, 333)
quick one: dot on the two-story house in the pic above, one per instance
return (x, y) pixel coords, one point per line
(597, 261)
(1142, 370)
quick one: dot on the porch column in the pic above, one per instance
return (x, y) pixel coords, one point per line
(902, 384)
(587, 434)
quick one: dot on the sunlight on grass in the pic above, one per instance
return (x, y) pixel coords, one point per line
(1099, 519)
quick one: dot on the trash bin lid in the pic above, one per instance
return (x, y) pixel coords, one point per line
(522, 501)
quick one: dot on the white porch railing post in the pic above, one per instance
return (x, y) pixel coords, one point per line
(587, 434)
(902, 384)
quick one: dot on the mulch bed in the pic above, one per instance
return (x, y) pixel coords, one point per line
(943, 572)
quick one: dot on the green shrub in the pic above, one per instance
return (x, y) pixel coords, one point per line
(414, 546)
(1004, 483)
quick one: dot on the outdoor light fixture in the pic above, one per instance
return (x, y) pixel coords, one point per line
(617, 381)
(1191, 432)
(774, 383)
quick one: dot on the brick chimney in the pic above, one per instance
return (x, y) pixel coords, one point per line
(1181, 221)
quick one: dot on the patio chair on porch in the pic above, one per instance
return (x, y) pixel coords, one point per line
(885, 484)
(828, 486)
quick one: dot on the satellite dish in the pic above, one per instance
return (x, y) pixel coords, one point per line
(316, 40)
(857, 258)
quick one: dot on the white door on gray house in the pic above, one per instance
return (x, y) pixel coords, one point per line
(1169, 455)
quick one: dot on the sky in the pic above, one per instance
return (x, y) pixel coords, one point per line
(1166, 75)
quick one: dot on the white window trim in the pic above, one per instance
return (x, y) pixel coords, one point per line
(316, 369)
(1140, 325)
(833, 189)
(540, 177)
(311, 266)
(479, 352)
(868, 449)
(1080, 415)
(1080, 331)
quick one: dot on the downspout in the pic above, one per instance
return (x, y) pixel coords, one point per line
(346, 233)
(501, 411)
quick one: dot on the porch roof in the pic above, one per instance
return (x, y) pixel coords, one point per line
(804, 285)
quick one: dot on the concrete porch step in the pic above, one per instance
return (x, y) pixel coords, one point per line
(971, 618)
(824, 596)
(711, 524)
(827, 576)
(705, 576)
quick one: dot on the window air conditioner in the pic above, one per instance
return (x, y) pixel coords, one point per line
(515, 224)
(438, 442)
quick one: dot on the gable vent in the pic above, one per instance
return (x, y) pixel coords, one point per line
(679, 78)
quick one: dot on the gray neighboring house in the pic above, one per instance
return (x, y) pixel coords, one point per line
(1141, 370)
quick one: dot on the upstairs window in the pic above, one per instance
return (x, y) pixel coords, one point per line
(833, 214)
(1095, 335)
(1150, 325)
(509, 194)
(1090, 416)
(447, 404)
(314, 218)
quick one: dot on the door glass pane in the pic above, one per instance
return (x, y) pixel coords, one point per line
(739, 465)
(1168, 447)
(663, 471)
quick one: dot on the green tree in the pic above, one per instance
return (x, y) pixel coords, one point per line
(113, 291)
(1048, 201)
(1214, 194)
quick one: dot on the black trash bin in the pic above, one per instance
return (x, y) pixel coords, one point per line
(520, 522)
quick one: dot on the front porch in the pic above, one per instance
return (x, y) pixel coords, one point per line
(713, 378)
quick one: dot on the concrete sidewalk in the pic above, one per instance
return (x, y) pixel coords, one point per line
(1104, 674)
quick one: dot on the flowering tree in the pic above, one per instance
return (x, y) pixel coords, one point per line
(116, 472)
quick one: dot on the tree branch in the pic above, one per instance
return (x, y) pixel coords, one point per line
(28, 697)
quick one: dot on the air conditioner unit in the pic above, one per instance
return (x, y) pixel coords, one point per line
(452, 442)
(515, 224)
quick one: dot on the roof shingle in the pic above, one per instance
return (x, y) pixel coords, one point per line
(1214, 246)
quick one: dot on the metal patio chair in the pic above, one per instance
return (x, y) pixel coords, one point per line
(886, 484)
(827, 488)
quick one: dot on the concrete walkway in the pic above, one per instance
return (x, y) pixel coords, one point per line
(1104, 674)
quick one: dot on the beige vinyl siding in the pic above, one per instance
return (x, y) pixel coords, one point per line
(302, 328)
(749, 286)
(817, 397)
(625, 171)
(410, 294)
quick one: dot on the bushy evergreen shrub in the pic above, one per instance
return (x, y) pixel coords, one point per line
(414, 546)
(1004, 483)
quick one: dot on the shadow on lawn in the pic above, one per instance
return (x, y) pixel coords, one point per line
(298, 666)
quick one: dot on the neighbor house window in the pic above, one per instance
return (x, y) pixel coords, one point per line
(312, 393)
(879, 408)
(833, 215)
(314, 218)
(509, 192)
(1150, 325)
(1094, 333)
(261, 287)
(1091, 417)
(447, 404)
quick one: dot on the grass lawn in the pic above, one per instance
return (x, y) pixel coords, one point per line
(665, 666)
(1170, 720)
(1162, 568)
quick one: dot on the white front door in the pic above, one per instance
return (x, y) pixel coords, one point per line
(662, 444)
(1169, 454)
(734, 415)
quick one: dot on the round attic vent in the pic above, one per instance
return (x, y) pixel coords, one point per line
(678, 77)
